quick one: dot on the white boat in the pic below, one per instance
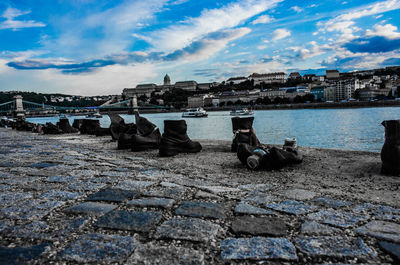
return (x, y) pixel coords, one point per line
(194, 113)
(94, 115)
(241, 112)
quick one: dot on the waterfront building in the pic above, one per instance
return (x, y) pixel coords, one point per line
(308, 77)
(236, 80)
(318, 93)
(269, 78)
(294, 76)
(329, 92)
(272, 93)
(196, 101)
(332, 74)
(366, 94)
(186, 85)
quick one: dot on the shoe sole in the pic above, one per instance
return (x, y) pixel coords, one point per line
(175, 151)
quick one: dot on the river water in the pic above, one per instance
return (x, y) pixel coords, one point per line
(348, 129)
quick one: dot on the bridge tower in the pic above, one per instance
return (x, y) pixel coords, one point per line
(18, 107)
(134, 105)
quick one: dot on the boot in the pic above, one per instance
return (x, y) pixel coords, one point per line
(50, 128)
(244, 132)
(102, 131)
(125, 137)
(390, 153)
(77, 123)
(175, 140)
(89, 126)
(148, 136)
(64, 125)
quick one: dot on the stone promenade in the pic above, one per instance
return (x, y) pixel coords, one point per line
(76, 199)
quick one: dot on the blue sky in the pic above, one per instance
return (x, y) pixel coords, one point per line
(87, 47)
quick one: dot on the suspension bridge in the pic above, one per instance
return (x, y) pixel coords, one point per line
(20, 107)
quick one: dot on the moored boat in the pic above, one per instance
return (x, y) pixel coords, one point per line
(241, 112)
(194, 113)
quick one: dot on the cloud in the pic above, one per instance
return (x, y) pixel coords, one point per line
(11, 13)
(210, 20)
(297, 9)
(279, 34)
(262, 20)
(388, 31)
(209, 45)
(346, 26)
(373, 45)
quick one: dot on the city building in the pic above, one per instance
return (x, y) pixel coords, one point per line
(294, 76)
(269, 78)
(186, 85)
(318, 93)
(332, 74)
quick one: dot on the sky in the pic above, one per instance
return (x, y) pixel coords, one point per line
(88, 47)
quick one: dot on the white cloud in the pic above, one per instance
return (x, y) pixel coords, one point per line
(297, 9)
(11, 13)
(211, 20)
(388, 31)
(262, 20)
(279, 34)
(262, 47)
(142, 37)
(346, 26)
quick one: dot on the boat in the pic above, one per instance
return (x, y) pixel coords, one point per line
(194, 113)
(94, 115)
(241, 112)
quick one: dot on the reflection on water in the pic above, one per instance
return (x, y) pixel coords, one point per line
(351, 129)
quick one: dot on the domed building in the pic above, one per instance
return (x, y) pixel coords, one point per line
(167, 80)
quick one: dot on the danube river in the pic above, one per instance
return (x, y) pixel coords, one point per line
(348, 129)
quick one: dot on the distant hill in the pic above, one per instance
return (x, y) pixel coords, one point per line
(54, 99)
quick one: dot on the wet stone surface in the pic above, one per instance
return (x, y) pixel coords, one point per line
(91, 208)
(244, 208)
(257, 248)
(292, 207)
(337, 218)
(379, 211)
(112, 195)
(170, 192)
(272, 226)
(314, 228)
(391, 248)
(21, 255)
(29, 210)
(192, 229)
(330, 203)
(152, 202)
(299, 194)
(125, 220)
(381, 230)
(337, 247)
(153, 254)
(98, 247)
(201, 209)
(134, 184)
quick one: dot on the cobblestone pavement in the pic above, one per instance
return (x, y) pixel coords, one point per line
(76, 199)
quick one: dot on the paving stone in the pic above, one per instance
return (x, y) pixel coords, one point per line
(258, 248)
(292, 207)
(337, 247)
(5, 187)
(299, 194)
(18, 180)
(260, 198)
(256, 187)
(104, 180)
(112, 195)
(125, 220)
(62, 179)
(381, 230)
(9, 198)
(201, 209)
(21, 255)
(244, 208)
(272, 226)
(173, 192)
(86, 186)
(152, 202)
(5, 225)
(43, 165)
(169, 184)
(331, 203)
(30, 210)
(192, 229)
(114, 174)
(99, 248)
(134, 184)
(391, 248)
(62, 195)
(337, 218)
(91, 208)
(219, 189)
(314, 228)
(380, 211)
(206, 195)
(150, 254)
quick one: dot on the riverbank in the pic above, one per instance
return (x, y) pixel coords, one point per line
(75, 198)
